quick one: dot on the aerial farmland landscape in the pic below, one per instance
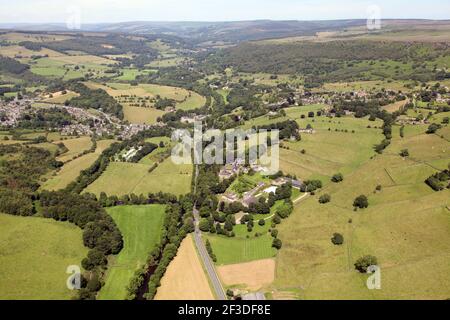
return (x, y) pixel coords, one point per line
(335, 184)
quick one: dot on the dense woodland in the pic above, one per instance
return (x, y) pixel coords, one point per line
(330, 61)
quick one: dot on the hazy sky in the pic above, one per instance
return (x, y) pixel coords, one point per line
(214, 10)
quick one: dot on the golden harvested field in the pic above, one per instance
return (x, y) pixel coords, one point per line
(71, 170)
(185, 278)
(138, 115)
(252, 275)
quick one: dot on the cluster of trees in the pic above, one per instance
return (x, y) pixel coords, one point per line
(163, 103)
(330, 61)
(138, 61)
(432, 128)
(210, 251)
(9, 65)
(145, 149)
(361, 202)
(133, 199)
(95, 45)
(178, 223)
(20, 177)
(338, 177)
(311, 185)
(325, 198)
(439, 181)
(97, 99)
(363, 263)
(388, 121)
(45, 119)
(288, 129)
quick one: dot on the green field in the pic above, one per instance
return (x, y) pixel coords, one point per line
(124, 178)
(34, 256)
(141, 228)
(406, 227)
(70, 67)
(240, 249)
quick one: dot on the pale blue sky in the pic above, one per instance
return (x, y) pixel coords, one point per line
(37, 11)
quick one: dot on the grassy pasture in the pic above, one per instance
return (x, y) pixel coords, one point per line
(35, 253)
(131, 74)
(160, 153)
(75, 146)
(70, 67)
(328, 152)
(166, 63)
(141, 227)
(124, 178)
(365, 85)
(71, 170)
(83, 59)
(406, 227)
(60, 98)
(240, 249)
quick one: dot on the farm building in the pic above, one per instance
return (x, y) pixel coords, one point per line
(271, 189)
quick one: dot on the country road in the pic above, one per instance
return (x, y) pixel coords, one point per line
(207, 262)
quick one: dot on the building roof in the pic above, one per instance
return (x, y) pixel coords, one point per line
(271, 189)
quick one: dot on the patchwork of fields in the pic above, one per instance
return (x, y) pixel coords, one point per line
(406, 227)
(185, 100)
